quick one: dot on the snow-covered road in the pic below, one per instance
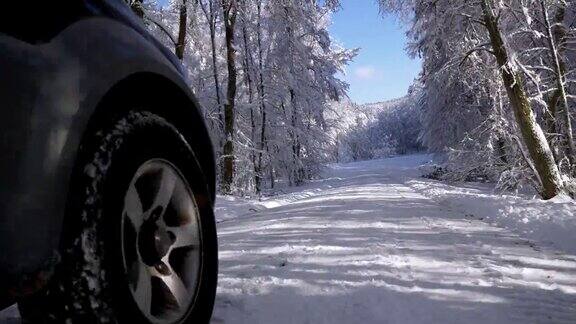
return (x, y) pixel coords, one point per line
(363, 246)
(375, 243)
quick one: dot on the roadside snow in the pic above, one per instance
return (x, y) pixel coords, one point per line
(375, 243)
(230, 207)
(551, 223)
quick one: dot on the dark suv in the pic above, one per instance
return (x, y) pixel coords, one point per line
(106, 172)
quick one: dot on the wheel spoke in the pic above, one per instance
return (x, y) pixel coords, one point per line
(186, 235)
(133, 207)
(176, 286)
(143, 290)
(167, 184)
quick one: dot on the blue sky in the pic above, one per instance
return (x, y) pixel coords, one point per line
(382, 70)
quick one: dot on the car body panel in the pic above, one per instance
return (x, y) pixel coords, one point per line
(49, 92)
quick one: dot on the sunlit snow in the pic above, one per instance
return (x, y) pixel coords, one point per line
(375, 243)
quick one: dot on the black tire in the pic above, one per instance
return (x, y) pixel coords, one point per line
(90, 284)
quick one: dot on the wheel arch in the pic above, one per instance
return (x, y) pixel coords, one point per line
(160, 95)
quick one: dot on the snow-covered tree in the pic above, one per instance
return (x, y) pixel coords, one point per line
(495, 75)
(265, 73)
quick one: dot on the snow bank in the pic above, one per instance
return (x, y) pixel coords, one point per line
(230, 207)
(550, 222)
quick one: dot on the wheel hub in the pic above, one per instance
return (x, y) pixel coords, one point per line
(154, 242)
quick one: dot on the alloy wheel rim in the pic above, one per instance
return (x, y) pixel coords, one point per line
(161, 242)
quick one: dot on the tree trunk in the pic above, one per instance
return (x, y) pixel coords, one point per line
(183, 24)
(229, 14)
(211, 14)
(296, 147)
(501, 149)
(263, 144)
(247, 65)
(555, 38)
(550, 117)
(249, 85)
(532, 134)
(215, 71)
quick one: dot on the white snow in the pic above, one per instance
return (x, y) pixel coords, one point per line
(375, 243)
(551, 223)
(10, 315)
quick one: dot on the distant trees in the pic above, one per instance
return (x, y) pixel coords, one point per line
(380, 130)
(497, 88)
(265, 73)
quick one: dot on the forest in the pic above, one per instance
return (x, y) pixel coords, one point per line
(494, 99)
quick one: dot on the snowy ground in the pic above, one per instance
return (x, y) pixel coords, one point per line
(375, 243)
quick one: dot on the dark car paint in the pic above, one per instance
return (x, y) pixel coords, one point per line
(50, 91)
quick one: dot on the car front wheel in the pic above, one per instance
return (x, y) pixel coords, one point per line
(140, 240)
